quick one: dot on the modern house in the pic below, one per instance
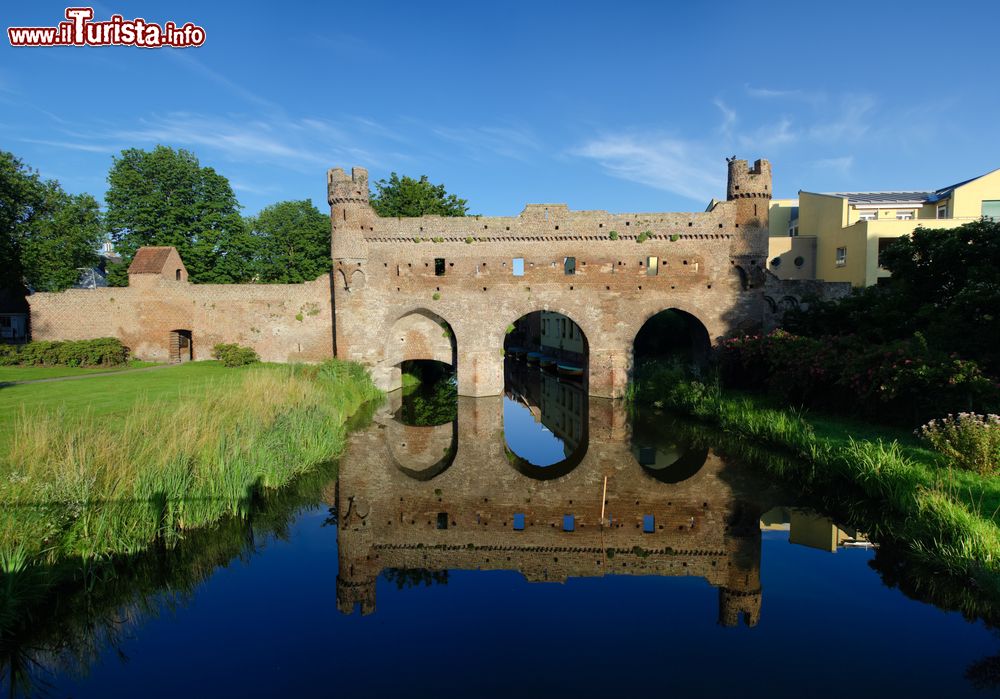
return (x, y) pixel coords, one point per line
(838, 236)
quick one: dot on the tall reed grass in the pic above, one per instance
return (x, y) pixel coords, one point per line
(89, 486)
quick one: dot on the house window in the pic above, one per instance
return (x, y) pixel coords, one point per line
(442, 520)
(841, 257)
(904, 215)
(869, 215)
(177, 275)
(793, 231)
(991, 209)
(648, 524)
(438, 266)
(518, 266)
(569, 265)
(942, 211)
(569, 523)
(652, 266)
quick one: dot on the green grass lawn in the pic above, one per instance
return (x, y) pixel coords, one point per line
(107, 395)
(30, 373)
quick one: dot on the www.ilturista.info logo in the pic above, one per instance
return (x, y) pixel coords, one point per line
(79, 30)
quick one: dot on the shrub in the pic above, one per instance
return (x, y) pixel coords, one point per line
(969, 441)
(643, 237)
(234, 355)
(102, 351)
(674, 237)
(613, 235)
(901, 382)
(8, 355)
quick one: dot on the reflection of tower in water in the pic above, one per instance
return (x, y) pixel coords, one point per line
(480, 513)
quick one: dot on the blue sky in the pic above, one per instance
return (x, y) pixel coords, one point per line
(612, 105)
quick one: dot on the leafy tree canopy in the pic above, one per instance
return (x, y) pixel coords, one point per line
(165, 197)
(945, 284)
(291, 241)
(405, 196)
(46, 235)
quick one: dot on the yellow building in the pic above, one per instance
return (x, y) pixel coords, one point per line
(837, 237)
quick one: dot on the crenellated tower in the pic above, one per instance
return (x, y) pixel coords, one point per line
(350, 214)
(750, 188)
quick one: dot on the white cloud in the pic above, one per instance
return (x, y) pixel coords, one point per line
(841, 165)
(670, 164)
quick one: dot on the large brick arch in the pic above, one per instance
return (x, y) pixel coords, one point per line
(416, 334)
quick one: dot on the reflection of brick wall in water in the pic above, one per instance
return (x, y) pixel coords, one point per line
(389, 519)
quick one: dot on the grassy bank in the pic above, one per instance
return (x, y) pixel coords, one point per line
(942, 515)
(110, 465)
(31, 373)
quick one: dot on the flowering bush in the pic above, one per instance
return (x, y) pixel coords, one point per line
(968, 440)
(902, 381)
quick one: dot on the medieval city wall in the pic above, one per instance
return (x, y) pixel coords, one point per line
(707, 264)
(282, 322)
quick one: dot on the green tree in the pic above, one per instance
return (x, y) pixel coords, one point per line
(46, 235)
(405, 196)
(291, 242)
(21, 196)
(945, 284)
(61, 240)
(165, 197)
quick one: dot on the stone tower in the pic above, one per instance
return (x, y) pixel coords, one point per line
(750, 188)
(350, 214)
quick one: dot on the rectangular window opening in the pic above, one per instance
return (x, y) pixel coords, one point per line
(991, 209)
(518, 266)
(569, 523)
(942, 211)
(442, 522)
(648, 524)
(652, 266)
(569, 265)
(519, 522)
(841, 257)
(439, 267)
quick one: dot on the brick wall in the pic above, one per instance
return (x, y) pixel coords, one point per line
(283, 322)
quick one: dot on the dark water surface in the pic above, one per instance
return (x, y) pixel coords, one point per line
(462, 552)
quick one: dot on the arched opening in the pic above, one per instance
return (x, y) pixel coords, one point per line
(420, 350)
(671, 336)
(545, 411)
(181, 346)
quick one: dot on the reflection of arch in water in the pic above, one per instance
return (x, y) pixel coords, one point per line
(556, 470)
(663, 457)
(561, 407)
(413, 449)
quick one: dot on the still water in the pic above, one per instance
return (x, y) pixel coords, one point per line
(533, 544)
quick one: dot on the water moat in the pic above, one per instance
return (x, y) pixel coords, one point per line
(539, 543)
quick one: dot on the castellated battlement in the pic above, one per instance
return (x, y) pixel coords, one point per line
(341, 187)
(747, 182)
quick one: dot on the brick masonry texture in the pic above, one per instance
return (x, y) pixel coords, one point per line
(283, 322)
(710, 265)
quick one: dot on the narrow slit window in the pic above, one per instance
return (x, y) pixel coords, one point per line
(442, 520)
(438, 266)
(518, 266)
(652, 266)
(569, 265)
